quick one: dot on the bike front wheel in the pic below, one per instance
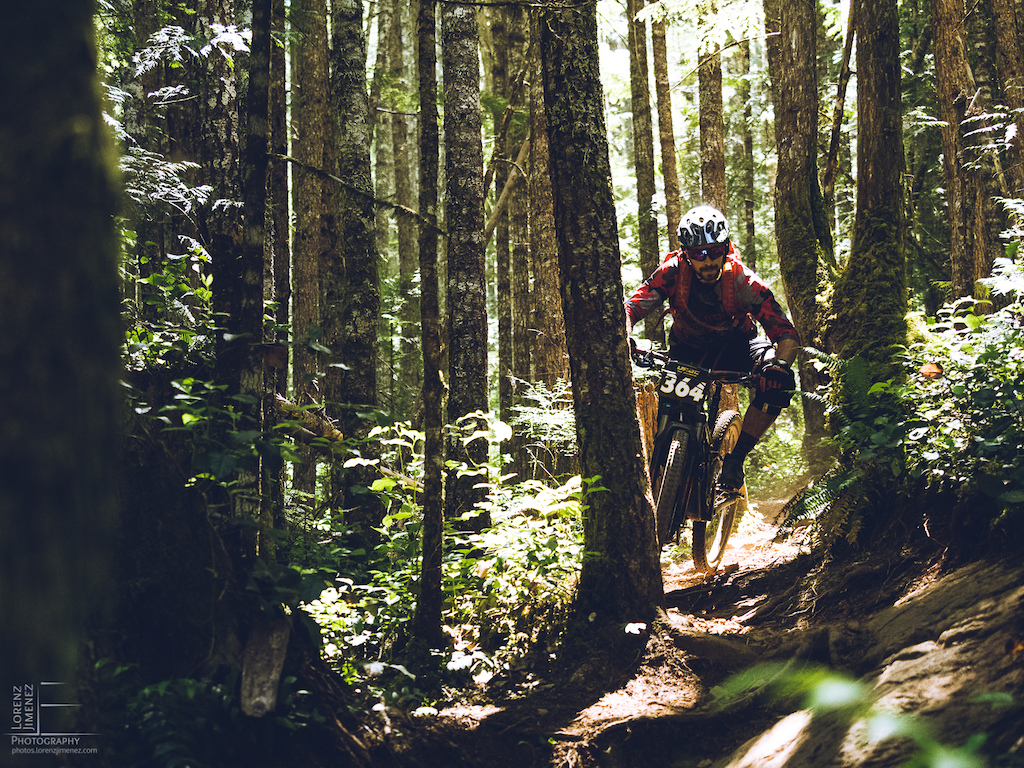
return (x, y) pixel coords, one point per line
(710, 537)
(668, 481)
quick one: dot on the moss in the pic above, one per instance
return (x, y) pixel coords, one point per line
(869, 305)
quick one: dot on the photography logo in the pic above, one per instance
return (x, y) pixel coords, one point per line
(42, 721)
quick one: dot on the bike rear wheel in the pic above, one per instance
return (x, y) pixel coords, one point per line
(668, 479)
(710, 537)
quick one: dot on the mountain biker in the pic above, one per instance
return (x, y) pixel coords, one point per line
(711, 323)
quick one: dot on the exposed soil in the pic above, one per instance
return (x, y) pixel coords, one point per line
(925, 641)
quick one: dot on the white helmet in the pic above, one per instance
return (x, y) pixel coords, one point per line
(702, 226)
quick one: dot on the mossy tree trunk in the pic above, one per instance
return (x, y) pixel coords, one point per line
(59, 353)
(550, 358)
(869, 302)
(801, 222)
(620, 579)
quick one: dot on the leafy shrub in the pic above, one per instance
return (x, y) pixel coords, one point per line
(952, 423)
(966, 427)
(190, 722)
(504, 587)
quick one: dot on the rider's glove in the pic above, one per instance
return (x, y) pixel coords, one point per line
(774, 376)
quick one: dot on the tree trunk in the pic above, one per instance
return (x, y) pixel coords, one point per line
(956, 92)
(252, 273)
(712, 127)
(278, 192)
(550, 358)
(643, 146)
(801, 223)
(427, 619)
(749, 188)
(870, 298)
(621, 577)
(500, 221)
(467, 289)
(150, 252)
(523, 304)
(666, 135)
(985, 155)
(59, 307)
(350, 289)
(312, 202)
(832, 159)
(1010, 62)
(382, 108)
(409, 379)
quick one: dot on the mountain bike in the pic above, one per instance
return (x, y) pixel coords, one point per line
(687, 453)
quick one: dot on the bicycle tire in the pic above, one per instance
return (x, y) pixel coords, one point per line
(711, 537)
(668, 478)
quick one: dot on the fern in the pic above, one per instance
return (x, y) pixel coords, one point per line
(815, 500)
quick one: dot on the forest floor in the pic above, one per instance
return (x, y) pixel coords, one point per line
(921, 639)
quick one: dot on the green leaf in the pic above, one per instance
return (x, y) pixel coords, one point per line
(836, 693)
(997, 699)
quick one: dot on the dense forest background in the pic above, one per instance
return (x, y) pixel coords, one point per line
(319, 400)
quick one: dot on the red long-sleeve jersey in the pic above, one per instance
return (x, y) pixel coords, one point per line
(702, 318)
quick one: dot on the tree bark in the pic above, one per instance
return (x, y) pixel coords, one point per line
(749, 188)
(621, 577)
(59, 305)
(467, 289)
(550, 358)
(832, 159)
(498, 220)
(1010, 62)
(801, 223)
(278, 182)
(643, 146)
(712, 126)
(870, 298)
(253, 274)
(666, 134)
(517, 147)
(350, 288)
(965, 188)
(312, 203)
(409, 379)
(427, 618)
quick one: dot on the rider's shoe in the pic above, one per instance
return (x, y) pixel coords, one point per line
(731, 480)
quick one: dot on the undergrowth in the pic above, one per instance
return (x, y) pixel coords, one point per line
(951, 425)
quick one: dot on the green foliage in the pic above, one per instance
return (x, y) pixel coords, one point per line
(865, 423)
(545, 419)
(505, 589)
(952, 423)
(967, 425)
(190, 722)
(219, 431)
(823, 692)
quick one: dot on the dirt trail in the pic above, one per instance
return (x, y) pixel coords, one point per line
(928, 644)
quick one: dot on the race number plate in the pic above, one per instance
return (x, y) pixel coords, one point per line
(682, 382)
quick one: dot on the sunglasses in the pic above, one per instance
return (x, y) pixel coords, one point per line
(708, 252)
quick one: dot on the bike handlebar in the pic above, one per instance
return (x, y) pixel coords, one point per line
(649, 358)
